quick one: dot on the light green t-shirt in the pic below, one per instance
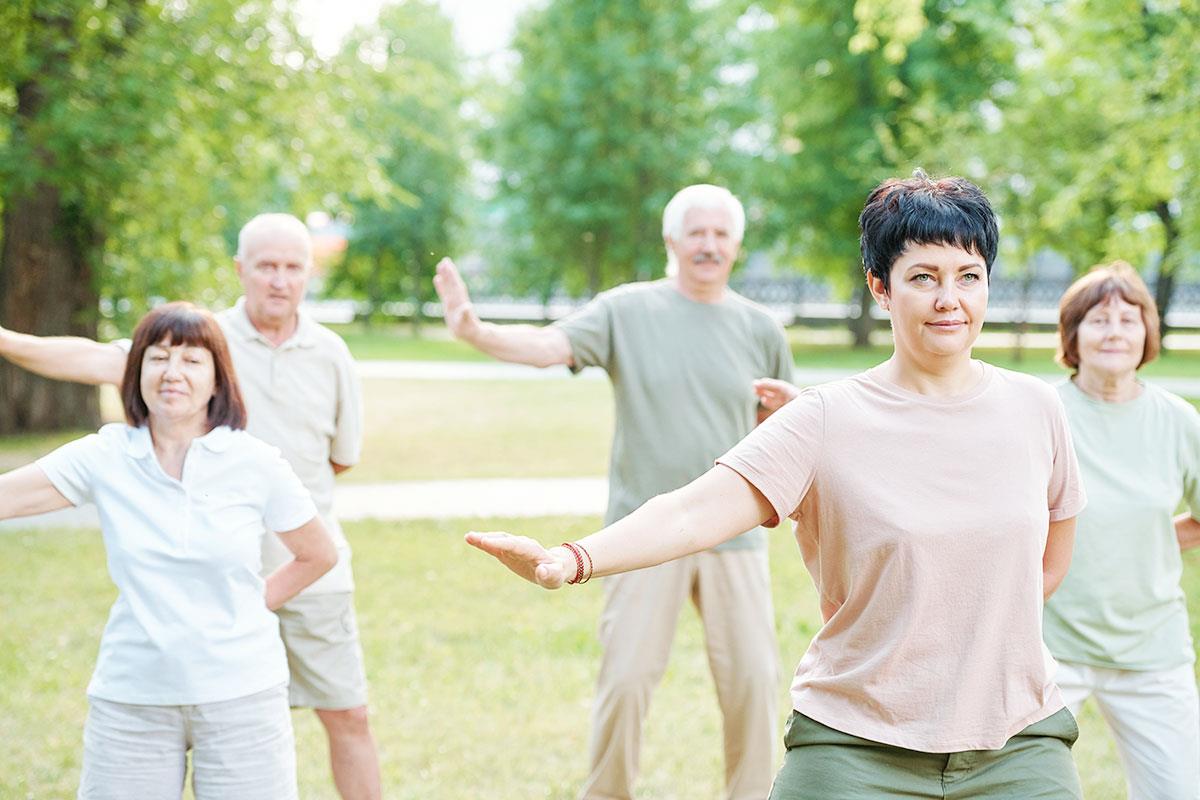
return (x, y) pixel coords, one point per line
(1121, 605)
(682, 375)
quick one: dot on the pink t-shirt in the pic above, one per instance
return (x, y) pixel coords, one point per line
(922, 522)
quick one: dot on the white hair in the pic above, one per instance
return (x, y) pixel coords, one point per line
(268, 224)
(705, 196)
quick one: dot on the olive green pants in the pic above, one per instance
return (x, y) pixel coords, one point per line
(824, 764)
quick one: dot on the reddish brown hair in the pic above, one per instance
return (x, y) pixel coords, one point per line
(184, 324)
(1103, 282)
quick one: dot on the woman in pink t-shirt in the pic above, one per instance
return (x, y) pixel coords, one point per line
(934, 498)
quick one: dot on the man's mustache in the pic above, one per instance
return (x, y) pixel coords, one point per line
(710, 258)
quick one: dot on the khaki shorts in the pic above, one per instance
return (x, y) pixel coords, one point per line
(825, 764)
(240, 748)
(324, 656)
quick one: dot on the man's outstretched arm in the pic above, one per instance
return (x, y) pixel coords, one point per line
(64, 358)
(520, 344)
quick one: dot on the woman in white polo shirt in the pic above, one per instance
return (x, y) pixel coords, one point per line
(191, 656)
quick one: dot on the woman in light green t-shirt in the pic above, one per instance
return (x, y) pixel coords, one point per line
(1118, 625)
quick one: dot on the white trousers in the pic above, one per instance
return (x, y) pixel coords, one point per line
(241, 749)
(1155, 719)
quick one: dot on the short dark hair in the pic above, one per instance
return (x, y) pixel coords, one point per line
(924, 210)
(1102, 283)
(186, 324)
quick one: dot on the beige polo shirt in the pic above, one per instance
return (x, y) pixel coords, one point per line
(303, 397)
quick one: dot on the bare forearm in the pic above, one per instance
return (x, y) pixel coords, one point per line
(292, 578)
(520, 344)
(1187, 530)
(65, 358)
(1056, 559)
(712, 509)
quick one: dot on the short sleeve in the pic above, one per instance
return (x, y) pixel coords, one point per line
(1191, 460)
(589, 330)
(783, 367)
(289, 505)
(346, 445)
(1064, 494)
(780, 457)
(73, 467)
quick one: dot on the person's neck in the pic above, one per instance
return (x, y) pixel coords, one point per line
(934, 377)
(173, 438)
(1111, 387)
(276, 331)
(700, 293)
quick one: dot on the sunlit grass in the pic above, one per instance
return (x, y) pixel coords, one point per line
(480, 684)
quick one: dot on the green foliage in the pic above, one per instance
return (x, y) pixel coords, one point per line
(1097, 152)
(163, 126)
(614, 107)
(403, 99)
(857, 92)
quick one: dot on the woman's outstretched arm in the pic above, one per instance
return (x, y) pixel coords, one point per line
(714, 508)
(26, 491)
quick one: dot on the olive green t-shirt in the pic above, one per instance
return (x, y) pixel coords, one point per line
(1121, 605)
(682, 375)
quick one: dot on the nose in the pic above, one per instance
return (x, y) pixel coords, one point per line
(947, 297)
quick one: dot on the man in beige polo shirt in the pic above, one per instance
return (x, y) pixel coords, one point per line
(303, 396)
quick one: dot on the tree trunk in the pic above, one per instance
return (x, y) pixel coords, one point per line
(46, 288)
(1165, 285)
(861, 325)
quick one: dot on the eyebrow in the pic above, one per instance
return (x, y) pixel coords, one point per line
(935, 267)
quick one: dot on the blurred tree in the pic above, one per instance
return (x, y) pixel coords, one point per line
(406, 90)
(138, 134)
(1098, 147)
(857, 92)
(614, 107)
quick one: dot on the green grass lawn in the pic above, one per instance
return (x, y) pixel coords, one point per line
(480, 684)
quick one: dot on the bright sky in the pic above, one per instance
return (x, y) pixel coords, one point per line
(482, 27)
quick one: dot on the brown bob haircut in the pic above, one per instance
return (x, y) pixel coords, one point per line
(189, 325)
(1103, 282)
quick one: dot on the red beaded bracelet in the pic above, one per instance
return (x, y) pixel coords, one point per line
(574, 550)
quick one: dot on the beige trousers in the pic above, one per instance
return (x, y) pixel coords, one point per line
(732, 592)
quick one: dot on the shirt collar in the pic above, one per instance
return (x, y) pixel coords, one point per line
(141, 444)
(301, 337)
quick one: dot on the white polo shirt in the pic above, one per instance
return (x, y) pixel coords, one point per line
(190, 624)
(303, 397)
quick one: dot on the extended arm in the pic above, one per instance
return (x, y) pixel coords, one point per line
(714, 508)
(26, 491)
(314, 556)
(64, 358)
(520, 344)
(1187, 530)
(1060, 542)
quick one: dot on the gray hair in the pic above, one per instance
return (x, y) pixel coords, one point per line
(705, 196)
(266, 224)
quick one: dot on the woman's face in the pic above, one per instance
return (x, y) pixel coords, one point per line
(177, 381)
(937, 300)
(1111, 338)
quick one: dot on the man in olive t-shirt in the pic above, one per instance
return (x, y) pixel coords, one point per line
(682, 354)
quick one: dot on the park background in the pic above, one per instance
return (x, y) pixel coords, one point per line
(538, 142)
